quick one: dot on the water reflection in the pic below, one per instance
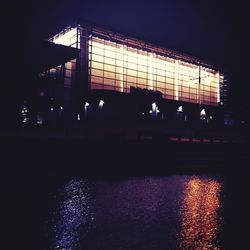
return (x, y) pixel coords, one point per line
(200, 222)
(173, 212)
(72, 215)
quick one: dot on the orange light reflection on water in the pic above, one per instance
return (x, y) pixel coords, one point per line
(200, 222)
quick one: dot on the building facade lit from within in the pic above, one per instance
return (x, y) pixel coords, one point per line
(165, 83)
(117, 62)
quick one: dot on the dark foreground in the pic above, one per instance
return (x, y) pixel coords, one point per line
(134, 199)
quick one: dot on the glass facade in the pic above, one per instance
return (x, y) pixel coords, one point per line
(117, 63)
(118, 67)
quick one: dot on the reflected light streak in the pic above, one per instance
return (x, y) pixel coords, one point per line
(200, 222)
(72, 215)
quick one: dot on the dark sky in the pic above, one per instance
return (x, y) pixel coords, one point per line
(215, 31)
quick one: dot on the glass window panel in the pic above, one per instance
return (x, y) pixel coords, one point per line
(109, 67)
(131, 79)
(142, 68)
(109, 53)
(207, 93)
(170, 80)
(97, 58)
(142, 74)
(193, 96)
(214, 89)
(97, 50)
(184, 94)
(160, 72)
(131, 72)
(207, 88)
(142, 61)
(118, 76)
(108, 81)
(160, 84)
(193, 91)
(96, 65)
(142, 81)
(161, 78)
(185, 89)
(97, 43)
(132, 66)
(169, 86)
(108, 74)
(97, 72)
(109, 60)
(96, 79)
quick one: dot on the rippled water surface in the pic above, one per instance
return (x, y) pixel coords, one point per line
(175, 212)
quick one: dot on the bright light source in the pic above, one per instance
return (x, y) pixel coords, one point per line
(24, 110)
(154, 106)
(150, 111)
(25, 119)
(101, 103)
(78, 117)
(155, 109)
(86, 104)
(180, 109)
(143, 113)
(51, 109)
(203, 112)
(61, 107)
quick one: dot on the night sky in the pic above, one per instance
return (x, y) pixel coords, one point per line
(215, 31)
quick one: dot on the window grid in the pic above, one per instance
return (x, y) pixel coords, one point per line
(117, 67)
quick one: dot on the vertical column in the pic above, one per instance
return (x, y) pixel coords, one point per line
(83, 67)
(199, 84)
(150, 71)
(121, 58)
(218, 77)
(176, 82)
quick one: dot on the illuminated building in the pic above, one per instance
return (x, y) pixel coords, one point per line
(112, 61)
(134, 79)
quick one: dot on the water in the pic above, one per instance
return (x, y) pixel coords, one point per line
(151, 212)
(175, 212)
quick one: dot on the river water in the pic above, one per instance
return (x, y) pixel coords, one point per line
(188, 211)
(50, 204)
(173, 212)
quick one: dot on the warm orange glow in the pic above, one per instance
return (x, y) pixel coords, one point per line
(118, 67)
(200, 222)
